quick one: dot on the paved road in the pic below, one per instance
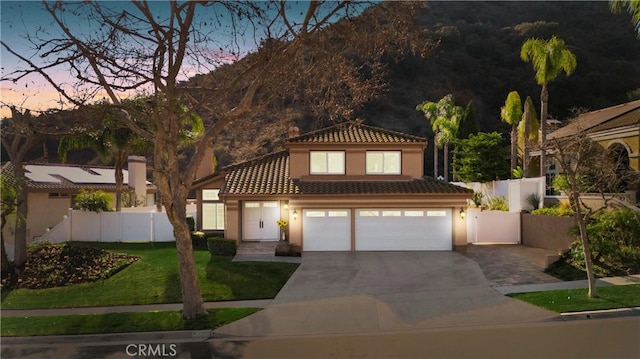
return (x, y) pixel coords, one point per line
(614, 338)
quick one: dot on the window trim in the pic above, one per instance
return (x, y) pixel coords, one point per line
(326, 159)
(382, 171)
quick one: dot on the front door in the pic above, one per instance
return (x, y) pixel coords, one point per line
(260, 221)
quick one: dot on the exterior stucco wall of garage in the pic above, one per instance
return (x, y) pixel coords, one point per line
(233, 204)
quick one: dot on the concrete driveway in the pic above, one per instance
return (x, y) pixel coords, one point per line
(336, 292)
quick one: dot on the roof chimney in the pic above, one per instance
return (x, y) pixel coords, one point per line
(293, 131)
(137, 171)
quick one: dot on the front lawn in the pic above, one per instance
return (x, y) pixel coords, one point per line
(576, 300)
(118, 322)
(154, 279)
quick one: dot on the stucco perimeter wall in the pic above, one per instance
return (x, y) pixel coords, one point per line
(548, 232)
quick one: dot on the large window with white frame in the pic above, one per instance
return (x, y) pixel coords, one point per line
(327, 162)
(212, 210)
(383, 162)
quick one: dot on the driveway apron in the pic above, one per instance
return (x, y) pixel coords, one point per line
(340, 292)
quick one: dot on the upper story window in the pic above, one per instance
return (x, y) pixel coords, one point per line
(383, 162)
(327, 162)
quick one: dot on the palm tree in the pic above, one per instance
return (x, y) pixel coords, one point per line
(511, 113)
(110, 142)
(549, 58)
(528, 131)
(444, 117)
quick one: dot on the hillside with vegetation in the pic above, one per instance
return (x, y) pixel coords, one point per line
(477, 59)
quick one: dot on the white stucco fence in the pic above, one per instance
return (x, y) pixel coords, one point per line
(140, 225)
(514, 191)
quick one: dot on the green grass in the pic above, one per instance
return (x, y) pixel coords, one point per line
(576, 300)
(118, 322)
(154, 279)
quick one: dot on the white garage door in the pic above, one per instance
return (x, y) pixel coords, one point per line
(326, 230)
(403, 229)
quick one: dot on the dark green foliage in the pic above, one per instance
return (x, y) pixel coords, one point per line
(481, 158)
(199, 240)
(562, 211)
(614, 244)
(53, 265)
(614, 240)
(94, 201)
(222, 247)
(192, 223)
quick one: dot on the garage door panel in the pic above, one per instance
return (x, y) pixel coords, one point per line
(326, 230)
(403, 229)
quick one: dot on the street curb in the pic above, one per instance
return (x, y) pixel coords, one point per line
(597, 314)
(180, 336)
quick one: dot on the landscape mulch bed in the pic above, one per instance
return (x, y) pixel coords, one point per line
(55, 265)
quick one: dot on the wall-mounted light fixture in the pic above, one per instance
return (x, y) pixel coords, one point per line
(462, 213)
(285, 206)
(295, 215)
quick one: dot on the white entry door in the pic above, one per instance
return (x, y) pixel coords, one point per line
(403, 229)
(260, 221)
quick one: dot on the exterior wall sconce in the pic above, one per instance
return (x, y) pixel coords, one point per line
(462, 213)
(285, 206)
(295, 215)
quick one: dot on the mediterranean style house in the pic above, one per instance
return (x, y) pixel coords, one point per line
(616, 129)
(349, 187)
(52, 188)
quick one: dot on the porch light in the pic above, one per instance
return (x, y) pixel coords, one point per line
(285, 206)
(462, 213)
(295, 215)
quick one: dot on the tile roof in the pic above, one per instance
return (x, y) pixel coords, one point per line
(269, 175)
(355, 133)
(625, 114)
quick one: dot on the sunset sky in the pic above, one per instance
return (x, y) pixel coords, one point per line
(20, 19)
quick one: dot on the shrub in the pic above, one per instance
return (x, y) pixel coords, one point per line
(199, 240)
(498, 204)
(559, 211)
(192, 223)
(222, 247)
(614, 243)
(477, 197)
(533, 200)
(94, 201)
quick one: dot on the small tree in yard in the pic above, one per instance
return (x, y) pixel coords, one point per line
(301, 58)
(481, 158)
(587, 168)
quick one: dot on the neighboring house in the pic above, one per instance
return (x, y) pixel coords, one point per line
(342, 188)
(616, 128)
(52, 187)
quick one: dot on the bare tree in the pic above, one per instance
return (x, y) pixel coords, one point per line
(333, 69)
(19, 135)
(587, 168)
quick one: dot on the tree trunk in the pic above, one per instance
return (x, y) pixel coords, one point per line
(544, 98)
(20, 236)
(446, 162)
(435, 157)
(525, 155)
(4, 265)
(586, 250)
(514, 148)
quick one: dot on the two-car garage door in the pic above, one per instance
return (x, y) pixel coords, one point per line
(377, 229)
